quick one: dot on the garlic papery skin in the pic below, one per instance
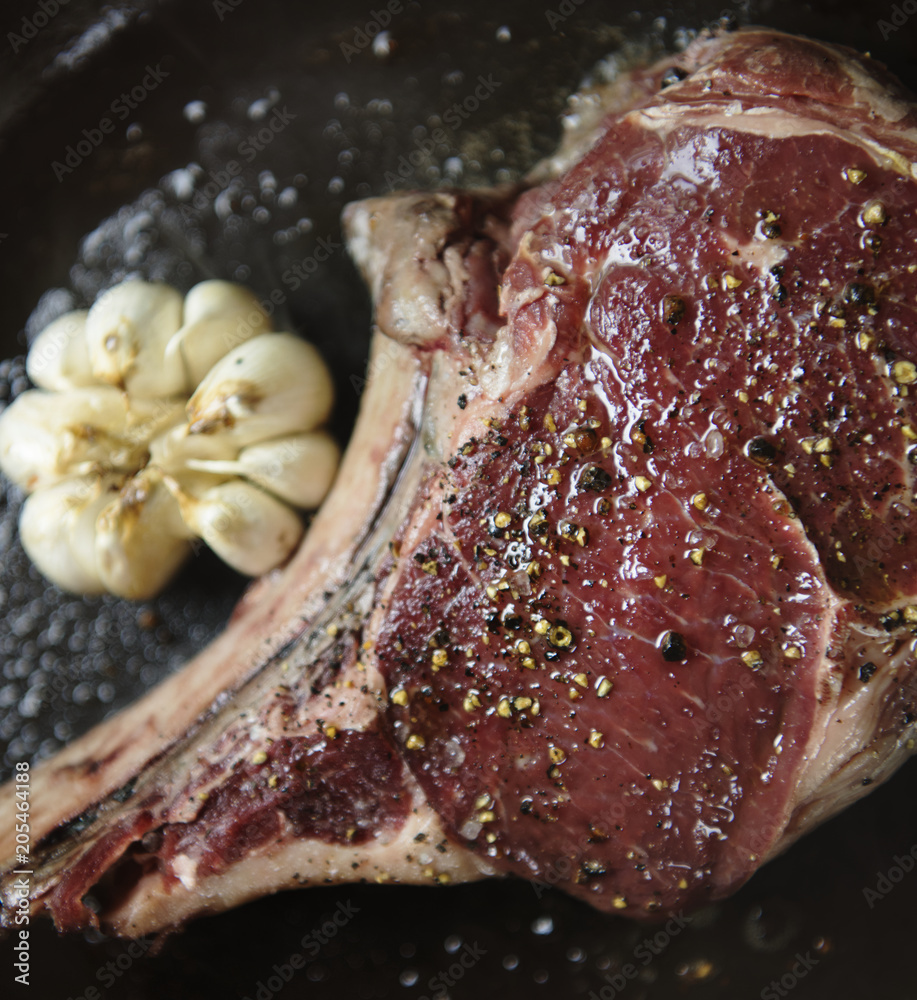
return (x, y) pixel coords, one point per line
(59, 356)
(141, 539)
(247, 528)
(299, 468)
(218, 316)
(57, 527)
(272, 385)
(47, 436)
(127, 331)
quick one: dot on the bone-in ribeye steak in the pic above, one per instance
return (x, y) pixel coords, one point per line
(617, 587)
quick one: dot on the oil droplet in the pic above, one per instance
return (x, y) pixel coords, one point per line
(195, 111)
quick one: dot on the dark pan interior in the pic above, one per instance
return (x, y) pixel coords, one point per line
(343, 119)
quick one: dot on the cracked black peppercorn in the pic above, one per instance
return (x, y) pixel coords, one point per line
(673, 309)
(890, 621)
(673, 647)
(860, 294)
(761, 450)
(594, 479)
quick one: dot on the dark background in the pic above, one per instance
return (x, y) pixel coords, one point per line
(68, 663)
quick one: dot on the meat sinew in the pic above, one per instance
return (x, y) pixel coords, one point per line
(617, 587)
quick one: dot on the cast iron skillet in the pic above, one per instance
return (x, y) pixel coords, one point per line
(342, 119)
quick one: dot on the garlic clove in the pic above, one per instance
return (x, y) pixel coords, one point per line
(298, 469)
(59, 356)
(247, 528)
(47, 436)
(222, 298)
(141, 539)
(270, 386)
(176, 449)
(57, 527)
(127, 331)
(218, 315)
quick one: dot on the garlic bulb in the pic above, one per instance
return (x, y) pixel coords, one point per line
(124, 470)
(269, 386)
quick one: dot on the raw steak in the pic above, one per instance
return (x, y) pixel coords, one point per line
(615, 588)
